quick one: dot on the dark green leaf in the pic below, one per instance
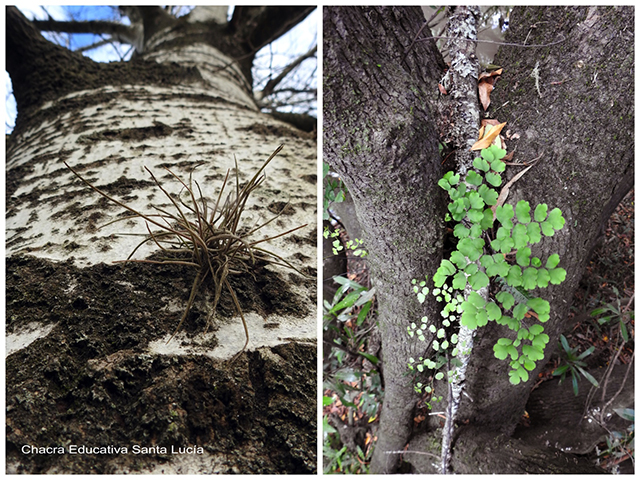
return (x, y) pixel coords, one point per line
(560, 370)
(346, 302)
(363, 313)
(588, 376)
(626, 413)
(586, 353)
(372, 358)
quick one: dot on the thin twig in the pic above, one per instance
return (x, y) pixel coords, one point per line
(412, 451)
(624, 380)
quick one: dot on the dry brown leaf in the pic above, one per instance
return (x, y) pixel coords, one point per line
(489, 121)
(484, 92)
(488, 139)
(492, 121)
(486, 82)
(495, 73)
(443, 90)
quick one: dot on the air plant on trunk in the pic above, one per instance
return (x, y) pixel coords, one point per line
(209, 239)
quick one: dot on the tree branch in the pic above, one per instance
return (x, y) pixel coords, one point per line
(129, 34)
(271, 84)
(94, 26)
(262, 25)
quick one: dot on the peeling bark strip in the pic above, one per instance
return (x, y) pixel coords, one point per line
(463, 87)
(461, 81)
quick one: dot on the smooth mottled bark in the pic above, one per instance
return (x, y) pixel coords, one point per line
(89, 361)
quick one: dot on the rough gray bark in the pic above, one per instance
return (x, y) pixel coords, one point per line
(576, 423)
(584, 130)
(380, 137)
(88, 362)
(580, 122)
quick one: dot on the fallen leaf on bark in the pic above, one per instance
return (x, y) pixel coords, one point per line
(486, 81)
(488, 138)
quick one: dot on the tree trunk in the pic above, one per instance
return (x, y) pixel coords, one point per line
(382, 156)
(381, 105)
(88, 359)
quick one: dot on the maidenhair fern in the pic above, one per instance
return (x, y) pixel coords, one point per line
(477, 261)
